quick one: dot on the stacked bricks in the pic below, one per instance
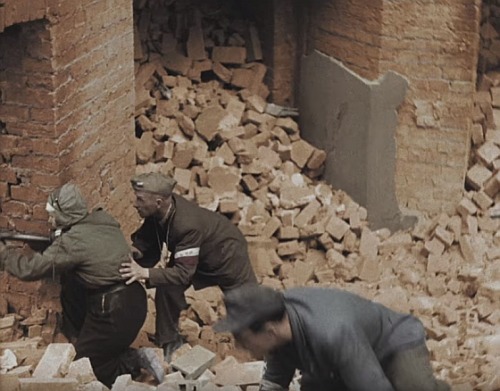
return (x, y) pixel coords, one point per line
(435, 47)
(435, 119)
(348, 31)
(20, 11)
(66, 98)
(230, 156)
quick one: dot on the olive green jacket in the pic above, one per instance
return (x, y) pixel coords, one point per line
(91, 245)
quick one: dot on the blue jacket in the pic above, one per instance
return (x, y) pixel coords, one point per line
(340, 339)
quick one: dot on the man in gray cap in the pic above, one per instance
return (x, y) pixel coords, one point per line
(338, 340)
(206, 249)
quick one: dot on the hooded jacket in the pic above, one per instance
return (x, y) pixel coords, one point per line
(91, 244)
(340, 340)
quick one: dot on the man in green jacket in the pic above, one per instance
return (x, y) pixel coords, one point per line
(103, 314)
(205, 247)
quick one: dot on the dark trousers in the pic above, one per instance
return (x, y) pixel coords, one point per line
(111, 323)
(74, 306)
(170, 299)
(408, 370)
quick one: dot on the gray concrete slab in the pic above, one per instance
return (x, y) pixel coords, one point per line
(354, 120)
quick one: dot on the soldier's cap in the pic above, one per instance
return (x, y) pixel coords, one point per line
(154, 182)
(249, 305)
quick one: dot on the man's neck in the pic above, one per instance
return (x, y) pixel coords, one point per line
(166, 215)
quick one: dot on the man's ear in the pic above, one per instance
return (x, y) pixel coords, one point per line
(271, 328)
(158, 202)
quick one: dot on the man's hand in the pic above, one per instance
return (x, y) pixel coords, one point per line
(133, 271)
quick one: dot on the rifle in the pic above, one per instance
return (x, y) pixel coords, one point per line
(35, 242)
(11, 235)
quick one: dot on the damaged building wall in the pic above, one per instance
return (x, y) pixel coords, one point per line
(66, 114)
(433, 45)
(356, 129)
(435, 119)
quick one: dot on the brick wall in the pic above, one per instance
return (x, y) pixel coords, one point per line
(66, 113)
(348, 30)
(93, 59)
(18, 11)
(28, 150)
(434, 44)
(277, 22)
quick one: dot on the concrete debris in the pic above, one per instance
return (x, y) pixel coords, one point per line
(202, 116)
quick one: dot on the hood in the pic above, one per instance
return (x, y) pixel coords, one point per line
(69, 205)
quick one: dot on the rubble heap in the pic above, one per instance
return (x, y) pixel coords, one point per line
(202, 117)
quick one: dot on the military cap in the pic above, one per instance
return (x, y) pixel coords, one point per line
(154, 182)
(248, 305)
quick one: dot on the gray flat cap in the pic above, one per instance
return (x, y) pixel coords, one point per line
(154, 182)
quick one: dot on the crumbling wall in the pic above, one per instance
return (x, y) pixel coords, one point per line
(432, 44)
(66, 114)
(435, 45)
(348, 30)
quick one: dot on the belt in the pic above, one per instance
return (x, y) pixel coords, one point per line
(108, 289)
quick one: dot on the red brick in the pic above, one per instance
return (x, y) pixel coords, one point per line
(40, 163)
(229, 54)
(45, 180)
(27, 193)
(195, 44)
(14, 208)
(7, 174)
(31, 129)
(42, 115)
(4, 221)
(39, 212)
(4, 190)
(37, 10)
(13, 112)
(29, 226)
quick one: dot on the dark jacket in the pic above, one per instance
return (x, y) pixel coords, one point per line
(202, 244)
(91, 245)
(340, 339)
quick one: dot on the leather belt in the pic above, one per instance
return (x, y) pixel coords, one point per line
(107, 289)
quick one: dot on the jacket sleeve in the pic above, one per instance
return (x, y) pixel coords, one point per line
(146, 241)
(38, 265)
(354, 360)
(279, 371)
(184, 262)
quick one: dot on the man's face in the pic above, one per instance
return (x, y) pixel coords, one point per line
(146, 204)
(258, 343)
(52, 220)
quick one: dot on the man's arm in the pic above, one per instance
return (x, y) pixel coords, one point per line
(179, 272)
(37, 265)
(278, 373)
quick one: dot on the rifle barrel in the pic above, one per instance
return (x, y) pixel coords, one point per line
(23, 237)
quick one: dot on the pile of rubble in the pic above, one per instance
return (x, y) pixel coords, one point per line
(202, 117)
(195, 369)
